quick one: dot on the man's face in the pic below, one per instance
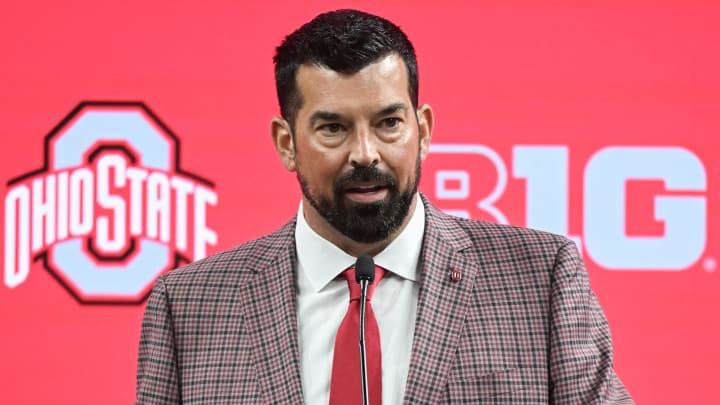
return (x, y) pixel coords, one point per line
(357, 148)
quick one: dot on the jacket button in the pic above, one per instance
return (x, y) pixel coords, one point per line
(455, 275)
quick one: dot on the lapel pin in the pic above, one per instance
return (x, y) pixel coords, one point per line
(455, 275)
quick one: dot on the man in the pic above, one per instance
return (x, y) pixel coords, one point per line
(466, 311)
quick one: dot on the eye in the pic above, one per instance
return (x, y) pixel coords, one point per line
(391, 122)
(332, 128)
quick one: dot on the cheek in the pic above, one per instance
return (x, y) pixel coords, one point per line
(403, 161)
(315, 160)
(319, 171)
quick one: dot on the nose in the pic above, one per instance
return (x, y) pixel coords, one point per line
(364, 149)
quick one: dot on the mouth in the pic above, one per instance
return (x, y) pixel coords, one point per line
(366, 193)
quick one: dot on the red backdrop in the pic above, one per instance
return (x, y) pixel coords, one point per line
(597, 119)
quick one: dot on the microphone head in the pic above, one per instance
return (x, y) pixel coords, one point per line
(365, 269)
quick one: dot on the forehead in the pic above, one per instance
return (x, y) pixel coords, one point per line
(382, 82)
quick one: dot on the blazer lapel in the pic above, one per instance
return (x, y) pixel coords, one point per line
(270, 314)
(442, 304)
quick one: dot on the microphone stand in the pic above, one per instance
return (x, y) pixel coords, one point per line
(363, 355)
(364, 275)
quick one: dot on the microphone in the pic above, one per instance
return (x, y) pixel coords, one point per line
(365, 269)
(364, 275)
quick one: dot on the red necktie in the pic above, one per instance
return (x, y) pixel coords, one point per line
(345, 385)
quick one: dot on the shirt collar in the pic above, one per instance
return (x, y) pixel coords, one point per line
(320, 261)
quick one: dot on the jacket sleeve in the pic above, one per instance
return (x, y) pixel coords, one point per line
(581, 354)
(157, 369)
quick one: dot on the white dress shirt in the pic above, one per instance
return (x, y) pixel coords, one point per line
(323, 301)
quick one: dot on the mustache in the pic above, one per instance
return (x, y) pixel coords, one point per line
(365, 174)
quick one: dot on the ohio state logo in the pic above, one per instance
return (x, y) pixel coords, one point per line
(111, 209)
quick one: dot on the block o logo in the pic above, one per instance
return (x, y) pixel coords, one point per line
(111, 209)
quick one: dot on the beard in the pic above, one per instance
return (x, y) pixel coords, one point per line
(365, 223)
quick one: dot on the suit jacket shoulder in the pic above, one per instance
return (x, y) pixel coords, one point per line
(493, 236)
(508, 248)
(237, 262)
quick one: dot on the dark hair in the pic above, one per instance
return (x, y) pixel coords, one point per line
(344, 41)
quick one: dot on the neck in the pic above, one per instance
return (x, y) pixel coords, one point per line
(354, 248)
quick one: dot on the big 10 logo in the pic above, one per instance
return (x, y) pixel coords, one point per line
(609, 220)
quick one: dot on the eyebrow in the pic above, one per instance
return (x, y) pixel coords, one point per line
(332, 116)
(324, 116)
(392, 108)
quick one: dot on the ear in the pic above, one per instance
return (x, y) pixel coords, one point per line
(283, 141)
(426, 120)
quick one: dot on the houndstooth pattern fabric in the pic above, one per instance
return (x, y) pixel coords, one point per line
(521, 326)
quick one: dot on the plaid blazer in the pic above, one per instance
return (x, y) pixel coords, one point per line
(521, 326)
